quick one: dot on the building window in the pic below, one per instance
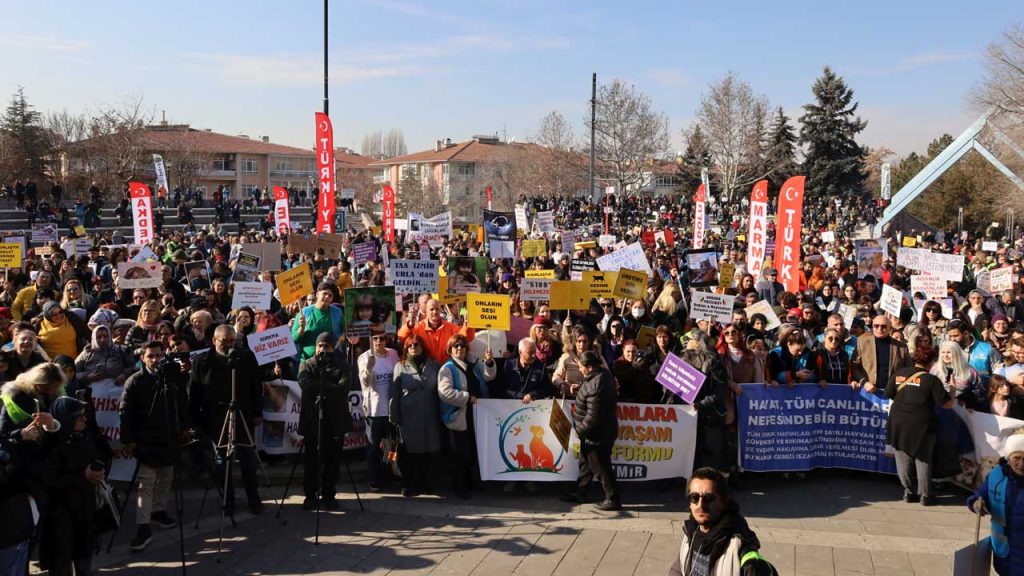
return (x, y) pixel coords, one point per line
(282, 164)
(466, 169)
(250, 166)
(665, 181)
(221, 164)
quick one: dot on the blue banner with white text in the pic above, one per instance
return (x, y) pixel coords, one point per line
(805, 427)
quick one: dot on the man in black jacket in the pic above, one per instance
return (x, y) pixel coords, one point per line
(153, 414)
(326, 374)
(525, 377)
(210, 390)
(597, 426)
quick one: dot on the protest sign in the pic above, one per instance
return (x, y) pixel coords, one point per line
(44, 233)
(279, 432)
(680, 378)
(560, 424)
(106, 401)
(1000, 279)
(269, 254)
(870, 256)
(726, 274)
(435, 230)
(300, 244)
(568, 241)
(931, 286)
(535, 289)
(246, 268)
(806, 427)
(630, 284)
(849, 314)
(702, 267)
(949, 267)
(913, 258)
(10, 255)
(363, 252)
(500, 231)
(989, 246)
(580, 265)
(892, 300)
(444, 296)
(533, 248)
(145, 254)
(549, 274)
(763, 307)
(631, 257)
(522, 223)
(132, 275)
(645, 337)
(295, 283)
(828, 236)
(490, 311)
(600, 284)
(466, 274)
(716, 307)
(255, 295)
(909, 241)
(79, 230)
(414, 276)
(569, 295)
(272, 344)
(546, 222)
(605, 240)
(370, 309)
(331, 244)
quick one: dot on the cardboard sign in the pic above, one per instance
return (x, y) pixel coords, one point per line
(933, 287)
(645, 337)
(363, 252)
(132, 275)
(79, 230)
(269, 254)
(892, 300)
(600, 284)
(632, 257)
(763, 307)
(680, 378)
(569, 295)
(522, 223)
(488, 311)
(630, 284)
(560, 425)
(708, 306)
(533, 248)
(331, 244)
(849, 314)
(255, 295)
(299, 244)
(271, 345)
(44, 232)
(414, 276)
(10, 255)
(990, 246)
(295, 283)
(828, 236)
(725, 274)
(535, 289)
(549, 274)
(145, 254)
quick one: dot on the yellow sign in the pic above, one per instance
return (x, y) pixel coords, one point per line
(488, 311)
(442, 295)
(79, 230)
(726, 274)
(599, 284)
(534, 248)
(645, 337)
(295, 283)
(569, 295)
(10, 255)
(909, 241)
(584, 245)
(540, 274)
(630, 284)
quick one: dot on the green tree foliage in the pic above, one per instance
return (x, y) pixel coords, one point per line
(780, 150)
(834, 162)
(27, 147)
(696, 157)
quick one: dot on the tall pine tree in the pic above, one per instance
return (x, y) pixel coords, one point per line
(22, 127)
(696, 157)
(781, 150)
(834, 162)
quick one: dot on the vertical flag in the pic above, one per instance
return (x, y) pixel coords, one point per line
(282, 220)
(756, 227)
(325, 169)
(886, 186)
(787, 232)
(489, 198)
(142, 212)
(161, 174)
(389, 214)
(698, 218)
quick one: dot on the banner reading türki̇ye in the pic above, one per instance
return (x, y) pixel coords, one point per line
(325, 173)
(787, 232)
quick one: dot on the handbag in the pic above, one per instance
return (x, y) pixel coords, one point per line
(389, 449)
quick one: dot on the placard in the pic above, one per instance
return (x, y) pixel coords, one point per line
(256, 295)
(535, 289)
(702, 267)
(569, 295)
(272, 345)
(145, 254)
(892, 300)
(632, 257)
(680, 378)
(370, 309)
(522, 223)
(599, 283)
(933, 287)
(910, 241)
(279, 432)
(1001, 279)
(533, 248)
(828, 236)
(870, 256)
(132, 275)
(549, 274)
(913, 258)
(849, 314)
(269, 254)
(630, 284)
(106, 401)
(605, 240)
(546, 222)
(246, 268)
(708, 306)
(295, 284)
(10, 255)
(488, 311)
(989, 246)
(949, 267)
(331, 244)
(44, 233)
(726, 274)
(568, 241)
(560, 425)
(363, 252)
(763, 307)
(414, 276)
(300, 244)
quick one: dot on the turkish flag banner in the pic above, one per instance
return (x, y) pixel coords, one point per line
(787, 232)
(757, 227)
(282, 219)
(698, 218)
(142, 212)
(325, 173)
(389, 214)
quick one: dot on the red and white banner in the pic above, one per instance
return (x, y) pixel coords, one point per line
(325, 169)
(756, 229)
(489, 198)
(389, 214)
(142, 212)
(282, 218)
(787, 232)
(698, 218)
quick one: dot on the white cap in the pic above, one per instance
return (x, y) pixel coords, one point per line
(1014, 443)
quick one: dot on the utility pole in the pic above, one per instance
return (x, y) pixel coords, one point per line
(326, 100)
(593, 117)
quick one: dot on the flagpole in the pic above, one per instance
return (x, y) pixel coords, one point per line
(326, 100)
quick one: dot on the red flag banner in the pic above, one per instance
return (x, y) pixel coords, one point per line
(698, 218)
(142, 212)
(389, 214)
(787, 232)
(282, 219)
(756, 229)
(325, 169)
(488, 197)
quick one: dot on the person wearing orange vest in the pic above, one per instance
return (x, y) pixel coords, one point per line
(434, 330)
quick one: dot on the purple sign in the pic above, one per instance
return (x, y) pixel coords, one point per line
(363, 252)
(680, 378)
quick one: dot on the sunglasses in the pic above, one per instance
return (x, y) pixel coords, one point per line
(728, 332)
(708, 497)
(457, 346)
(879, 325)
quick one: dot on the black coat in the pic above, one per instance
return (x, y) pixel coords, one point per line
(516, 381)
(209, 390)
(594, 416)
(330, 376)
(152, 420)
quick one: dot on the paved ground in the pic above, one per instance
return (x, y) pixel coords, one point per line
(831, 523)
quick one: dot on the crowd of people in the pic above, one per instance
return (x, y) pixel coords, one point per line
(66, 324)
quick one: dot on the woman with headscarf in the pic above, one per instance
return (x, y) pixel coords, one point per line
(59, 333)
(102, 359)
(414, 410)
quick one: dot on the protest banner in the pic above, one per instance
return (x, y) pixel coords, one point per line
(949, 267)
(272, 344)
(522, 222)
(932, 287)
(708, 306)
(10, 255)
(325, 173)
(631, 257)
(580, 265)
(142, 212)
(1000, 279)
(256, 295)
(466, 274)
(726, 274)
(757, 228)
(680, 378)
(699, 217)
(370, 309)
(414, 276)
(568, 241)
(301, 244)
(546, 222)
(600, 284)
(805, 427)
(787, 232)
(989, 246)
(282, 218)
(106, 401)
(533, 248)
(246, 268)
(282, 403)
(132, 275)
(44, 232)
(569, 295)
(549, 274)
(295, 283)
(363, 252)
(269, 254)
(515, 442)
(763, 307)
(435, 230)
(162, 186)
(488, 311)
(500, 232)
(331, 244)
(913, 258)
(870, 257)
(605, 240)
(892, 300)
(828, 236)
(630, 284)
(535, 289)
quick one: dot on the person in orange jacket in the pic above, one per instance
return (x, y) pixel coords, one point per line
(434, 330)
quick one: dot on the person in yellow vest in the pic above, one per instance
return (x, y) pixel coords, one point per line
(27, 295)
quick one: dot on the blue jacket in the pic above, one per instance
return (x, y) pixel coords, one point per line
(850, 344)
(1003, 492)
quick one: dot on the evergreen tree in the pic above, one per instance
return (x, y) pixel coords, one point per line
(22, 126)
(696, 158)
(834, 162)
(781, 150)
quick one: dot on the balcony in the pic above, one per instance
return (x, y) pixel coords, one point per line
(293, 173)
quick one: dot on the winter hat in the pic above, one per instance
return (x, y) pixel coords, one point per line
(65, 409)
(541, 321)
(1014, 443)
(326, 337)
(999, 317)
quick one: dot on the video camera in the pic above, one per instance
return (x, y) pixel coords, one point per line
(173, 362)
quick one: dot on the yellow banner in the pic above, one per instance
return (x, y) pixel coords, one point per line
(534, 248)
(10, 255)
(295, 283)
(442, 296)
(726, 274)
(599, 284)
(488, 311)
(583, 245)
(645, 337)
(631, 284)
(909, 241)
(569, 295)
(540, 274)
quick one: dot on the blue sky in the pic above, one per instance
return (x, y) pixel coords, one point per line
(454, 69)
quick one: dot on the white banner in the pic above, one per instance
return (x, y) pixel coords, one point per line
(949, 267)
(546, 222)
(913, 258)
(435, 230)
(631, 257)
(106, 401)
(273, 344)
(535, 289)
(717, 307)
(132, 275)
(514, 442)
(161, 175)
(414, 276)
(282, 403)
(255, 295)
(933, 287)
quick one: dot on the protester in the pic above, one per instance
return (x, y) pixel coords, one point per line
(376, 372)
(459, 384)
(414, 411)
(1000, 494)
(317, 319)
(434, 331)
(878, 357)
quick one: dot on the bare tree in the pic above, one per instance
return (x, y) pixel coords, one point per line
(116, 146)
(394, 144)
(733, 120)
(510, 172)
(560, 168)
(372, 144)
(184, 159)
(1003, 85)
(629, 136)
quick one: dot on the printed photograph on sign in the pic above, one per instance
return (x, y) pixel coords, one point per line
(870, 256)
(500, 231)
(466, 274)
(246, 268)
(197, 275)
(702, 267)
(370, 309)
(132, 275)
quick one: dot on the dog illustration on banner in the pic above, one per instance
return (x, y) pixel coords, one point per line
(527, 450)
